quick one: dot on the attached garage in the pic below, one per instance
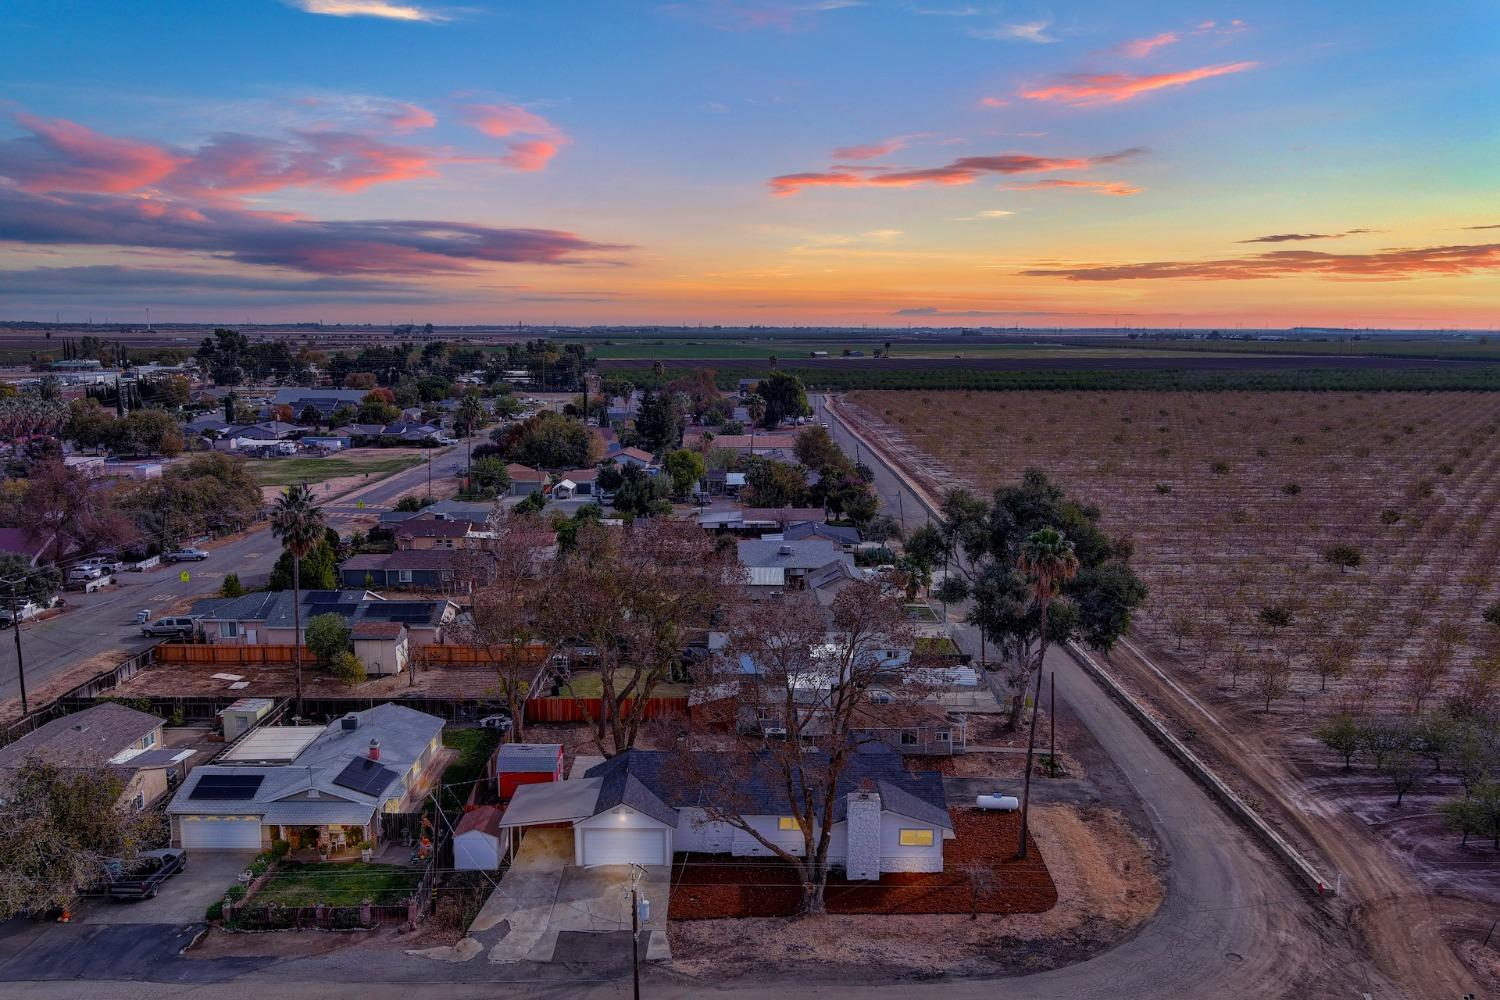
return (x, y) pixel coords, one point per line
(219, 833)
(625, 847)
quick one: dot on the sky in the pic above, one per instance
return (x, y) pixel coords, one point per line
(777, 162)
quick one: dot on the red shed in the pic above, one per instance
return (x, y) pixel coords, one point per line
(518, 764)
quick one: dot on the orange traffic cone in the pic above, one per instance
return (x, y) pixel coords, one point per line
(67, 917)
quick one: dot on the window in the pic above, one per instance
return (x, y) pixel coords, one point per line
(788, 823)
(140, 801)
(149, 740)
(228, 630)
(908, 738)
(403, 575)
(916, 838)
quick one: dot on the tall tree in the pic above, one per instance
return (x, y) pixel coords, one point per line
(1047, 561)
(785, 397)
(299, 523)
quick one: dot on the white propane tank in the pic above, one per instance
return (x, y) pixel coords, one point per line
(1004, 803)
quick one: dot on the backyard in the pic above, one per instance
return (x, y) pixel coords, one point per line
(338, 883)
(474, 748)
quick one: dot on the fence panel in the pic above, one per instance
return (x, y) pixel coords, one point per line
(585, 709)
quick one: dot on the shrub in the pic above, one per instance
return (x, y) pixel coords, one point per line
(280, 849)
(231, 587)
(347, 668)
(1445, 469)
(1291, 489)
(1345, 557)
(1389, 516)
(1219, 468)
(1163, 488)
(327, 636)
(215, 911)
(1275, 615)
(235, 893)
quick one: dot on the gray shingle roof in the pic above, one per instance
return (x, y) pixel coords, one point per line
(84, 739)
(274, 608)
(806, 554)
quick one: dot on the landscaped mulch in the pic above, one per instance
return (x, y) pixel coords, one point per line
(709, 886)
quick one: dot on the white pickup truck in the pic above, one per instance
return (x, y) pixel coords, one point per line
(25, 611)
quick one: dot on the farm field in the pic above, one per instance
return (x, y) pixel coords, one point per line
(286, 471)
(1235, 502)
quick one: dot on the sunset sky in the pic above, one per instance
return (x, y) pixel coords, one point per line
(931, 162)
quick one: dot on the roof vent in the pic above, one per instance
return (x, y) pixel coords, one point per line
(80, 727)
(785, 550)
(374, 749)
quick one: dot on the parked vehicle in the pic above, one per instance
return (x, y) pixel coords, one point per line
(177, 627)
(24, 611)
(81, 573)
(447, 440)
(500, 722)
(105, 564)
(143, 878)
(143, 616)
(189, 554)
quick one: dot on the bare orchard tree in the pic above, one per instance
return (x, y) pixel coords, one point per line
(634, 594)
(808, 671)
(504, 618)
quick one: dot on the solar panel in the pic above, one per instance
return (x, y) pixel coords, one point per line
(227, 786)
(365, 776)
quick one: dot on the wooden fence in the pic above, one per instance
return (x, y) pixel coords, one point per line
(475, 656)
(228, 656)
(582, 709)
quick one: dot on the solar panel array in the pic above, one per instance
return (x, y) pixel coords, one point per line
(227, 786)
(365, 776)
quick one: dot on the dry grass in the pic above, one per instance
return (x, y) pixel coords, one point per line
(1233, 500)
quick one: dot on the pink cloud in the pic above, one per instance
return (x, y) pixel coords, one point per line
(509, 121)
(1112, 88)
(1387, 264)
(993, 102)
(61, 155)
(235, 164)
(964, 170)
(1140, 48)
(1118, 188)
(403, 117)
(870, 151)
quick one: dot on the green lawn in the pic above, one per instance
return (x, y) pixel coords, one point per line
(587, 684)
(938, 646)
(474, 747)
(286, 471)
(338, 883)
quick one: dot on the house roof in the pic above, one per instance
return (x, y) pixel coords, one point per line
(332, 780)
(817, 529)
(314, 396)
(646, 780)
(485, 819)
(90, 738)
(378, 630)
(581, 475)
(638, 454)
(274, 608)
(434, 527)
(404, 559)
(806, 554)
(524, 473)
(527, 758)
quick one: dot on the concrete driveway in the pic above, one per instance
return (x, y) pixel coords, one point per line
(183, 897)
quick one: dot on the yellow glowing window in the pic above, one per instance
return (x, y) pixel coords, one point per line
(787, 823)
(916, 838)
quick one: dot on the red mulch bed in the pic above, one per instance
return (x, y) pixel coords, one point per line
(710, 886)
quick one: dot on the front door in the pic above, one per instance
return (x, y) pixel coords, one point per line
(249, 636)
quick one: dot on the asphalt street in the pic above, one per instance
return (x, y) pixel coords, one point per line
(104, 622)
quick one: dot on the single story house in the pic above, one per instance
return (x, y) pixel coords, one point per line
(266, 619)
(325, 401)
(433, 531)
(107, 737)
(758, 521)
(525, 480)
(786, 565)
(333, 442)
(437, 570)
(576, 483)
(641, 807)
(846, 537)
(636, 457)
(330, 795)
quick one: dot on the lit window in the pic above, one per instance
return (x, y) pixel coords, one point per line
(788, 823)
(916, 838)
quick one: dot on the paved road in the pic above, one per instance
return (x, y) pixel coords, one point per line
(104, 622)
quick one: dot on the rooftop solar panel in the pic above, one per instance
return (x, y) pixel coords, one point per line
(365, 776)
(227, 786)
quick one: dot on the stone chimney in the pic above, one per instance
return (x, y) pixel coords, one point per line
(374, 749)
(862, 821)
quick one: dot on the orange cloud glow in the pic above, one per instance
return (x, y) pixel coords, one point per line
(1387, 264)
(964, 170)
(1098, 187)
(1140, 48)
(1113, 88)
(506, 121)
(870, 151)
(61, 155)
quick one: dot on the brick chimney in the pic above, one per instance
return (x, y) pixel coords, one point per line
(374, 749)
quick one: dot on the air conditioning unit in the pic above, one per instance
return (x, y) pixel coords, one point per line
(349, 723)
(774, 732)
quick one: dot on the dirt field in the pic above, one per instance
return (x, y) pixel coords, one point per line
(1234, 500)
(1105, 882)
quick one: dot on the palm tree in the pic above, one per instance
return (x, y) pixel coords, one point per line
(1048, 561)
(755, 405)
(299, 522)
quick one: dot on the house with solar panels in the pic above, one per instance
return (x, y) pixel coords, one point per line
(322, 789)
(267, 618)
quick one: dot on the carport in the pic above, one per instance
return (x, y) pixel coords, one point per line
(552, 804)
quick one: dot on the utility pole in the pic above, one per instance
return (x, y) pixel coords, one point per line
(15, 623)
(429, 475)
(1052, 722)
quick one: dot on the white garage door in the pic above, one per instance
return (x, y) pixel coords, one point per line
(221, 833)
(624, 847)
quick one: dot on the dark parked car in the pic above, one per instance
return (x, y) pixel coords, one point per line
(142, 878)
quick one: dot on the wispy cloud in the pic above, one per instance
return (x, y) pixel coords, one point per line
(935, 311)
(1388, 265)
(993, 102)
(964, 11)
(1117, 188)
(1029, 31)
(1113, 88)
(872, 150)
(542, 139)
(1298, 237)
(1492, 225)
(370, 8)
(752, 15)
(1140, 48)
(1232, 27)
(964, 170)
(987, 214)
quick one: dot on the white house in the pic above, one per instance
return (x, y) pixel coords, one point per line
(636, 808)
